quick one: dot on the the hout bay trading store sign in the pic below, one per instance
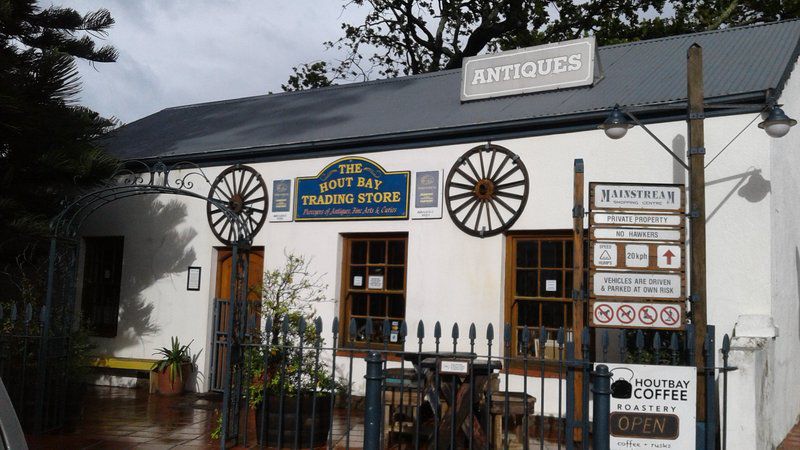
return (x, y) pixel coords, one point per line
(652, 407)
(637, 276)
(548, 67)
(352, 188)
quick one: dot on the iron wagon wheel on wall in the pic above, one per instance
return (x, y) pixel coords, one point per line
(486, 190)
(245, 193)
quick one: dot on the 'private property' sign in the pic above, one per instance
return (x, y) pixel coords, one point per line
(543, 68)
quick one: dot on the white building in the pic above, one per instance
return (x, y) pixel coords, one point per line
(429, 269)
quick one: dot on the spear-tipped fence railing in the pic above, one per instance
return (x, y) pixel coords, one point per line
(309, 387)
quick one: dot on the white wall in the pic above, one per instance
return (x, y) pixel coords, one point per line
(784, 398)
(452, 277)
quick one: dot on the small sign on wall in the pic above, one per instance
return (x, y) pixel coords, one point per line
(427, 195)
(193, 279)
(281, 208)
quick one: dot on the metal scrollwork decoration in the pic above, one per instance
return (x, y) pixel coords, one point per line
(486, 190)
(244, 192)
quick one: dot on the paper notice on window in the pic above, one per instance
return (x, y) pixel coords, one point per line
(550, 286)
(375, 282)
(358, 281)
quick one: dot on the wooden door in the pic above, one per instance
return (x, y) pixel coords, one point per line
(222, 295)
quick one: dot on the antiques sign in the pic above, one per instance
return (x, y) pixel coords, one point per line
(352, 188)
(637, 264)
(653, 406)
(543, 68)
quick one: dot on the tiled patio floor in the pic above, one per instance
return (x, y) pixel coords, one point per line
(119, 418)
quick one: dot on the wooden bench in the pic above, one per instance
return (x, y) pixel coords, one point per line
(131, 364)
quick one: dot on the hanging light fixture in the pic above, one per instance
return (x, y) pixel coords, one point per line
(616, 125)
(777, 123)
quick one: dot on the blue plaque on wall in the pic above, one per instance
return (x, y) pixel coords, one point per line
(352, 188)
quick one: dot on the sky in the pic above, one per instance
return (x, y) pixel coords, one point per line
(179, 52)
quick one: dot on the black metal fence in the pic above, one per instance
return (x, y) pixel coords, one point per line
(436, 390)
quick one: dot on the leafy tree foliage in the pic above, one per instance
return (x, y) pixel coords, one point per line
(46, 150)
(402, 37)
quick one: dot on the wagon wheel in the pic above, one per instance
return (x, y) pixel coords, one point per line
(486, 190)
(245, 193)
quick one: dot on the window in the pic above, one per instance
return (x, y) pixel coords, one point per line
(373, 286)
(102, 274)
(539, 288)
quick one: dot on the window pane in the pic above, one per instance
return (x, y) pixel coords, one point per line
(526, 283)
(527, 253)
(568, 284)
(358, 279)
(397, 306)
(552, 314)
(359, 304)
(397, 252)
(528, 314)
(568, 254)
(361, 329)
(394, 279)
(551, 283)
(377, 305)
(377, 252)
(377, 330)
(358, 252)
(552, 254)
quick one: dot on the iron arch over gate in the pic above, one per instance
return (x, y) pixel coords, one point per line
(236, 213)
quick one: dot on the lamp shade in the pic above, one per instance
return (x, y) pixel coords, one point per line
(616, 125)
(777, 123)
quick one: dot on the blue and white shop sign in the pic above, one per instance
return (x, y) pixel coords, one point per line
(352, 188)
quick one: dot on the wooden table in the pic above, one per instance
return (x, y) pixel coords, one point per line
(458, 383)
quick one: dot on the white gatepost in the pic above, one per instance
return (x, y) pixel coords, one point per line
(752, 350)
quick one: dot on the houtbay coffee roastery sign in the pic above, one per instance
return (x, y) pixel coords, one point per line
(653, 407)
(543, 68)
(352, 188)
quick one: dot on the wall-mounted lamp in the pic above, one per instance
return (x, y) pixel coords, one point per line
(616, 125)
(777, 123)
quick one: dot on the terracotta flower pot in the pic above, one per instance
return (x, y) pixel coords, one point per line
(166, 386)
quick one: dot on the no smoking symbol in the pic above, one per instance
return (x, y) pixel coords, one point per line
(626, 314)
(670, 315)
(603, 313)
(648, 315)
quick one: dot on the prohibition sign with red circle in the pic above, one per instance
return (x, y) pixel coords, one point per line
(626, 314)
(670, 315)
(603, 313)
(648, 315)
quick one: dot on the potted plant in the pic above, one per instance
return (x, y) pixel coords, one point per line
(286, 370)
(174, 367)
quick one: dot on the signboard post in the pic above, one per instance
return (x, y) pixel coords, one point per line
(637, 265)
(652, 407)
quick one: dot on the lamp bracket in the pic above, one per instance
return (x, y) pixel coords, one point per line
(696, 115)
(696, 151)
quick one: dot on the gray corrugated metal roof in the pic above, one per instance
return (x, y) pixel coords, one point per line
(740, 63)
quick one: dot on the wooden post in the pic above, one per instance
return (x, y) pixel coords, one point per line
(697, 209)
(578, 297)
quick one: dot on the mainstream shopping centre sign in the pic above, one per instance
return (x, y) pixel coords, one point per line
(352, 188)
(543, 68)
